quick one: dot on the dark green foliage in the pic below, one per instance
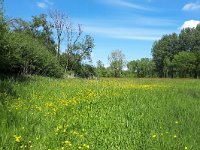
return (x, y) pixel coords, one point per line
(100, 69)
(167, 47)
(86, 71)
(178, 55)
(144, 67)
(38, 28)
(22, 54)
(79, 69)
(185, 64)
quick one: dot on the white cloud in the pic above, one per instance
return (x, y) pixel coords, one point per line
(144, 34)
(191, 6)
(42, 5)
(139, 28)
(48, 2)
(128, 21)
(190, 24)
(125, 3)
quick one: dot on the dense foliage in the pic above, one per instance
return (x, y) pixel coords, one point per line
(142, 68)
(178, 55)
(22, 54)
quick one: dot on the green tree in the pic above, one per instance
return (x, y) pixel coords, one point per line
(185, 63)
(187, 39)
(79, 52)
(86, 71)
(43, 31)
(142, 68)
(168, 67)
(38, 28)
(100, 69)
(166, 47)
(132, 66)
(117, 62)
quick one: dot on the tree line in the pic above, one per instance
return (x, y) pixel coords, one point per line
(178, 55)
(52, 45)
(174, 55)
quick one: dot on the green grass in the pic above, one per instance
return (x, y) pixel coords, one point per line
(115, 114)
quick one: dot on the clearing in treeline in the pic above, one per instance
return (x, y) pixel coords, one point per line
(45, 113)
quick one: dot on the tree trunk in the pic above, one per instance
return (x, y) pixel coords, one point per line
(58, 51)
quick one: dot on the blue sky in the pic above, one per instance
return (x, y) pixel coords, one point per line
(128, 25)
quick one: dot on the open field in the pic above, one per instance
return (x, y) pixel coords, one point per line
(114, 114)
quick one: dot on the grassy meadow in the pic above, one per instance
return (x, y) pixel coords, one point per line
(114, 114)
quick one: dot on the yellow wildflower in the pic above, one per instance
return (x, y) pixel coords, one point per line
(17, 138)
(186, 147)
(86, 146)
(67, 143)
(154, 136)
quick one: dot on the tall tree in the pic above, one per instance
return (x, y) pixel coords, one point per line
(117, 62)
(166, 47)
(59, 22)
(187, 39)
(76, 49)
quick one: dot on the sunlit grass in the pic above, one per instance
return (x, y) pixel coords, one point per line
(46, 113)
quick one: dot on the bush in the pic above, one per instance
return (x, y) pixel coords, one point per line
(22, 54)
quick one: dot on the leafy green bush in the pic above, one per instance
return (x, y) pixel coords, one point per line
(22, 54)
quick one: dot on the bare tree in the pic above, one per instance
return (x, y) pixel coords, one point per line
(73, 36)
(77, 48)
(59, 22)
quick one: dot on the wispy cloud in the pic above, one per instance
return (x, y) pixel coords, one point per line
(48, 2)
(127, 33)
(190, 24)
(140, 21)
(191, 6)
(139, 28)
(44, 4)
(127, 4)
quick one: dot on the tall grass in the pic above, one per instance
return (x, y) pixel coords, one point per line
(128, 114)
